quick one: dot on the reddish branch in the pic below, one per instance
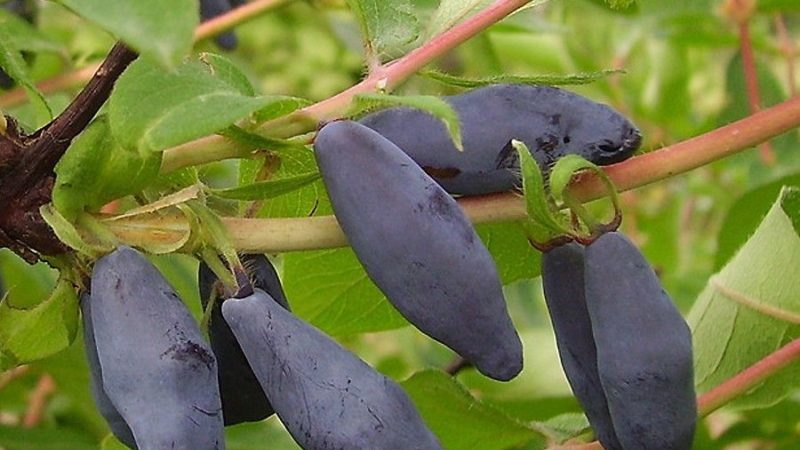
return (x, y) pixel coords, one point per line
(27, 162)
(788, 49)
(751, 80)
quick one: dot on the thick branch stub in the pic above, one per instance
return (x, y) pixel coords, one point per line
(27, 162)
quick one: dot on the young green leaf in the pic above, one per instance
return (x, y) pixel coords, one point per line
(259, 142)
(279, 106)
(95, 170)
(543, 79)
(545, 222)
(160, 31)
(151, 109)
(560, 177)
(31, 334)
(263, 190)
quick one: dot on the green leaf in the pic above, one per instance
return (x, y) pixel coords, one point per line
(744, 216)
(224, 69)
(330, 289)
(747, 311)
(47, 328)
(561, 175)
(542, 79)
(95, 170)
(386, 27)
(790, 203)
(12, 63)
(299, 203)
(773, 6)
(91, 246)
(566, 426)
(45, 438)
(161, 31)
(516, 259)
(267, 189)
(260, 142)
(451, 12)
(459, 420)
(279, 106)
(545, 222)
(151, 109)
(428, 103)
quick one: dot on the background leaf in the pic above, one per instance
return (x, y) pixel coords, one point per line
(161, 31)
(47, 328)
(386, 27)
(351, 303)
(12, 63)
(459, 420)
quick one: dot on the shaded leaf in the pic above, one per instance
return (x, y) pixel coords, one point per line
(459, 420)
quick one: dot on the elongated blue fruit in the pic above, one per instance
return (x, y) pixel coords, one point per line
(562, 278)
(326, 397)
(243, 400)
(644, 348)
(156, 368)
(213, 8)
(115, 421)
(552, 123)
(418, 247)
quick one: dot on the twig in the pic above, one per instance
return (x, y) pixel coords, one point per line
(28, 162)
(10, 375)
(751, 80)
(38, 401)
(789, 52)
(748, 378)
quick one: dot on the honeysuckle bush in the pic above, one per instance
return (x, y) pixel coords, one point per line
(199, 152)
